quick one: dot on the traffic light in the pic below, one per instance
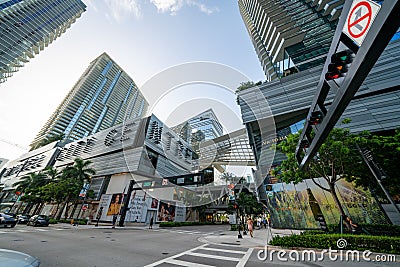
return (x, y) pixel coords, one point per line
(340, 63)
(316, 117)
(304, 143)
(235, 206)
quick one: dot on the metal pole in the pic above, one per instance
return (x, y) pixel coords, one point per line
(238, 223)
(126, 203)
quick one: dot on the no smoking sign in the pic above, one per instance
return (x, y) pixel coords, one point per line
(358, 22)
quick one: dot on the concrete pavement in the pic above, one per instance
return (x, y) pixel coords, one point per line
(261, 236)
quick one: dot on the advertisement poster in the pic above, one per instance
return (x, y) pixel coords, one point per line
(137, 207)
(154, 204)
(115, 204)
(180, 214)
(166, 212)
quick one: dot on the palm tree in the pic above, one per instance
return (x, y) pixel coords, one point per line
(30, 182)
(82, 171)
(52, 174)
(30, 185)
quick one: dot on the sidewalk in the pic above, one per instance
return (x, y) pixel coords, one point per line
(260, 239)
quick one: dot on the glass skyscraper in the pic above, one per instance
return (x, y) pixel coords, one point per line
(103, 96)
(290, 36)
(204, 126)
(28, 26)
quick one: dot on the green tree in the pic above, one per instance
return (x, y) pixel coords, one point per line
(385, 150)
(72, 180)
(248, 203)
(336, 159)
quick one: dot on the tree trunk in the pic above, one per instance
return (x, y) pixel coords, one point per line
(338, 204)
(63, 207)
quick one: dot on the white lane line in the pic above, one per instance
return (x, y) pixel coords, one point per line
(174, 256)
(187, 264)
(225, 250)
(212, 256)
(246, 257)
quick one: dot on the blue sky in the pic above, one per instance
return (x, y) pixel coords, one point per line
(144, 37)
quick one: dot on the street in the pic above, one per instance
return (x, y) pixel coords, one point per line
(64, 245)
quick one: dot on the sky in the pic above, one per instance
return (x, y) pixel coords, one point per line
(145, 38)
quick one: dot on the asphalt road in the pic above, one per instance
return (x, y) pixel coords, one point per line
(66, 246)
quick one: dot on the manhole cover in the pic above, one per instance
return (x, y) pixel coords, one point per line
(43, 241)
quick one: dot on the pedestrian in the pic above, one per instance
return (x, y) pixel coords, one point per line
(114, 220)
(265, 222)
(151, 223)
(250, 226)
(98, 216)
(259, 222)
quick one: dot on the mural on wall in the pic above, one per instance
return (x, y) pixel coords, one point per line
(288, 205)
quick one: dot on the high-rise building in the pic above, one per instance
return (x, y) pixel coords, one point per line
(103, 97)
(290, 36)
(202, 127)
(28, 26)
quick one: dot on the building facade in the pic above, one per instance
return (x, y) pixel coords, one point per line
(104, 96)
(290, 36)
(202, 127)
(28, 26)
(143, 150)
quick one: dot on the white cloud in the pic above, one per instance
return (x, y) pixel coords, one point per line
(122, 8)
(202, 7)
(171, 6)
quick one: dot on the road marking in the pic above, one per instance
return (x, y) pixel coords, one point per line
(188, 264)
(212, 256)
(191, 252)
(246, 257)
(224, 250)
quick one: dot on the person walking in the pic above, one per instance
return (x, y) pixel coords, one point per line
(99, 216)
(250, 226)
(114, 220)
(151, 223)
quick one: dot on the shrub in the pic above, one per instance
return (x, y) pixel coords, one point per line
(383, 244)
(53, 221)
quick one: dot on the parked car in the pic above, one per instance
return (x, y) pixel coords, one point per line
(39, 220)
(17, 259)
(7, 220)
(22, 218)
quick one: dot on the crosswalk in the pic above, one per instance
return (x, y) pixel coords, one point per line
(208, 255)
(188, 232)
